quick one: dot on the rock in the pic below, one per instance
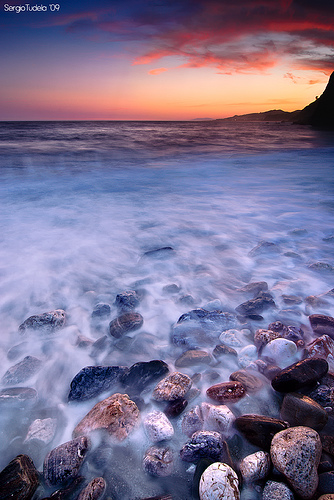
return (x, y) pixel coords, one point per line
(127, 322)
(159, 461)
(256, 306)
(42, 430)
(304, 373)
(226, 392)
(219, 481)
(127, 301)
(118, 415)
(293, 333)
(49, 321)
(328, 444)
(67, 492)
(255, 466)
(231, 337)
(19, 479)
(101, 311)
(216, 320)
(93, 380)
(223, 349)
(63, 463)
(159, 253)
(319, 113)
(292, 299)
(322, 347)
(254, 288)
(296, 453)
(204, 444)
(326, 482)
(324, 395)
(94, 490)
(22, 371)
(247, 355)
(18, 396)
(264, 247)
(327, 496)
(250, 382)
(276, 326)
(280, 350)
(277, 491)
(262, 337)
(158, 427)
(175, 408)
(298, 409)
(174, 386)
(171, 289)
(323, 267)
(192, 421)
(217, 418)
(322, 324)
(193, 357)
(142, 374)
(259, 429)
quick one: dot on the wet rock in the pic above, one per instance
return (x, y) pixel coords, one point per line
(93, 380)
(99, 346)
(171, 289)
(193, 357)
(174, 386)
(255, 466)
(326, 482)
(259, 429)
(63, 463)
(327, 496)
(226, 392)
(22, 371)
(142, 374)
(127, 301)
(256, 306)
(49, 321)
(264, 247)
(298, 409)
(322, 347)
(159, 253)
(277, 491)
(254, 289)
(294, 334)
(268, 369)
(18, 396)
(231, 337)
(192, 421)
(247, 355)
(223, 349)
(175, 408)
(282, 351)
(19, 479)
(216, 320)
(69, 491)
(328, 444)
(158, 427)
(217, 418)
(84, 342)
(303, 373)
(127, 322)
(322, 324)
(94, 490)
(262, 337)
(321, 267)
(17, 351)
(291, 299)
(204, 444)
(249, 381)
(296, 453)
(118, 415)
(42, 430)
(159, 461)
(101, 310)
(219, 481)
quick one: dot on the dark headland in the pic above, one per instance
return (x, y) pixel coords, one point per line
(319, 114)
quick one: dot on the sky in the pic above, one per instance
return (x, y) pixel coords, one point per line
(162, 59)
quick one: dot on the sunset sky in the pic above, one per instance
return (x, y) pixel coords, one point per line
(162, 59)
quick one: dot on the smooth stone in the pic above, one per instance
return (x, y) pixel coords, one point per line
(280, 350)
(118, 415)
(219, 481)
(204, 444)
(127, 322)
(18, 396)
(19, 479)
(171, 289)
(172, 387)
(223, 349)
(17, 351)
(193, 357)
(42, 430)
(249, 381)
(158, 461)
(322, 347)
(300, 374)
(175, 408)
(326, 482)
(327, 496)
(217, 418)
(255, 466)
(51, 320)
(264, 247)
(298, 409)
(259, 429)
(201, 465)
(292, 299)
(254, 288)
(192, 421)
(263, 336)
(158, 427)
(274, 490)
(144, 373)
(296, 453)
(101, 310)
(214, 319)
(247, 355)
(127, 301)
(257, 305)
(94, 490)
(226, 392)
(322, 324)
(63, 463)
(22, 371)
(93, 380)
(231, 337)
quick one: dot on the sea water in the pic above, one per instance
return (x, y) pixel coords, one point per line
(82, 203)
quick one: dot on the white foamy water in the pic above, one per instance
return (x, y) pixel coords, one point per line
(81, 203)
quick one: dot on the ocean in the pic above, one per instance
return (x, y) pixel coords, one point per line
(83, 204)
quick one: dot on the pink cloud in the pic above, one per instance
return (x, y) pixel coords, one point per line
(157, 71)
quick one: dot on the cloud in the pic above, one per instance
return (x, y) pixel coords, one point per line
(157, 71)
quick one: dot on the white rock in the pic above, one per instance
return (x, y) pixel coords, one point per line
(42, 430)
(247, 355)
(232, 338)
(158, 427)
(192, 421)
(255, 466)
(219, 482)
(217, 418)
(282, 351)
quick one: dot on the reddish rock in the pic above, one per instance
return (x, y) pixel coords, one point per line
(321, 347)
(94, 490)
(260, 429)
(250, 382)
(172, 387)
(127, 322)
(322, 324)
(298, 409)
(262, 337)
(226, 392)
(301, 374)
(19, 480)
(193, 357)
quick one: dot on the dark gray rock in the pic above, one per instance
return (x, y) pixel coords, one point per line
(171, 289)
(127, 322)
(301, 374)
(127, 301)
(101, 311)
(205, 444)
(94, 490)
(253, 289)
(293, 333)
(274, 490)
(222, 349)
(22, 371)
(264, 247)
(49, 321)
(322, 324)
(213, 319)
(159, 461)
(256, 306)
(324, 395)
(326, 482)
(19, 480)
(259, 429)
(93, 380)
(159, 253)
(142, 374)
(175, 408)
(298, 409)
